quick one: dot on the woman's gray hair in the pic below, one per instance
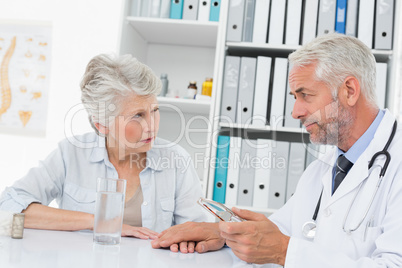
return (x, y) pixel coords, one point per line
(339, 56)
(108, 79)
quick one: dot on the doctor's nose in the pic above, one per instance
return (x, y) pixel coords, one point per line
(299, 111)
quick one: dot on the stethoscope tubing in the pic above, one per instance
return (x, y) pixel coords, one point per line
(380, 178)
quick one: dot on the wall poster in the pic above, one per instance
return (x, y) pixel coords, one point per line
(25, 56)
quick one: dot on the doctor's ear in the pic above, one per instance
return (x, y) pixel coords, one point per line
(350, 90)
(102, 129)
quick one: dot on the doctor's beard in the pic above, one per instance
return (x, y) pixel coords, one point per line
(334, 124)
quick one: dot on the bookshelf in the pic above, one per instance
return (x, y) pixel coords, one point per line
(248, 49)
(194, 50)
(185, 50)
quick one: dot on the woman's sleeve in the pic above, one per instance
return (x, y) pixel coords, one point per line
(41, 185)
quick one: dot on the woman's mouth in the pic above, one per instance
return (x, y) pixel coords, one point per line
(147, 140)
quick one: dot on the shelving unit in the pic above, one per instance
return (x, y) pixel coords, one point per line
(174, 32)
(245, 49)
(184, 105)
(185, 50)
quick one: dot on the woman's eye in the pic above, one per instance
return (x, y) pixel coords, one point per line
(138, 116)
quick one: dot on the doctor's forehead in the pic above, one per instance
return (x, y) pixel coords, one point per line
(302, 74)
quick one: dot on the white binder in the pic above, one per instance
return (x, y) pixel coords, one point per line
(326, 17)
(293, 20)
(384, 24)
(381, 81)
(190, 9)
(277, 22)
(135, 10)
(261, 17)
(366, 22)
(261, 94)
(165, 9)
(297, 158)
(277, 182)
(310, 21)
(146, 7)
(235, 21)
(155, 9)
(278, 93)
(262, 173)
(203, 10)
(248, 22)
(230, 89)
(290, 103)
(247, 171)
(351, 18)
(246, 90)
(232, 182)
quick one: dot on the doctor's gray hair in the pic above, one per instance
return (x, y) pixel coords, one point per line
(108, 80)
(339, 56)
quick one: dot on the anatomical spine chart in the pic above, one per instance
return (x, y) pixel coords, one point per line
(25, 52)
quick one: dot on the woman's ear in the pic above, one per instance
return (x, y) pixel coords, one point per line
(351, 90)
(102, 129)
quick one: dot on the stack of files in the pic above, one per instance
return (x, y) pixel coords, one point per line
(262, 173)
(278, 174)
(280, 79)
(246, 173)
(261, 19)
(202, 10)
(310, 21)
(297, 158)
(221, 168)
(384, 24)
(366, 22)
(232, 185)
(246, 90)
(255, 91)
(326, 17)
(351, 17)
(381, 82)
(261, 94)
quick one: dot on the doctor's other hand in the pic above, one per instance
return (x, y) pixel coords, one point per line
(182, 237)
(138, 232)
(257, 240)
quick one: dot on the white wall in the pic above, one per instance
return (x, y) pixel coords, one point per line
(81, 30)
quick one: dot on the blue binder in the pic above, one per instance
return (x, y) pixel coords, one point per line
(221, 168)
(340, 22)
(176, 9)
(214, 11)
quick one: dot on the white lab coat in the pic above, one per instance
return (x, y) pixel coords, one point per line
(378, 241)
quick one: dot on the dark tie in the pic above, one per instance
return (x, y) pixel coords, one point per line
(343, 165)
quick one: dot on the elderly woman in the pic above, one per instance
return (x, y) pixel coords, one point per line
(119, 95)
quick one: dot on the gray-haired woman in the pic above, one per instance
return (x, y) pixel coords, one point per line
(119, 95)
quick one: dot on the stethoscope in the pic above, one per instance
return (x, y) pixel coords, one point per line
(309, 228)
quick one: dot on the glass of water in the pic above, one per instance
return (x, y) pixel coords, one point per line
(109, 211)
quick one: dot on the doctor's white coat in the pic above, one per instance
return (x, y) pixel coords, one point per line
(378, 240)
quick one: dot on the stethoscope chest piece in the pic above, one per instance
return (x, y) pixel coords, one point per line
(309, 229)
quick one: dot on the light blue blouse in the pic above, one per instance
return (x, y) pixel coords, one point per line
(169, 182)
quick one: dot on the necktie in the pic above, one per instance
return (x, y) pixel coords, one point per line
(343, 165)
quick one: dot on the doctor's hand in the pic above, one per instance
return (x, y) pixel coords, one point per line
(138, 232)
(257, 240)
(189, 237)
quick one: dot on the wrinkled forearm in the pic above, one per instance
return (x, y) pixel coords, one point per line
(38, 216)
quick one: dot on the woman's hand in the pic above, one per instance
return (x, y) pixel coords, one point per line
(138, 232)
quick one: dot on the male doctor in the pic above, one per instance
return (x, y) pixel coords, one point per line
(336, 218)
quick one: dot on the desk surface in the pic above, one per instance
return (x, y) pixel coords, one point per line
(42, 249)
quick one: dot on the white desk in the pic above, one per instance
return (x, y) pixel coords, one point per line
(56, 249)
